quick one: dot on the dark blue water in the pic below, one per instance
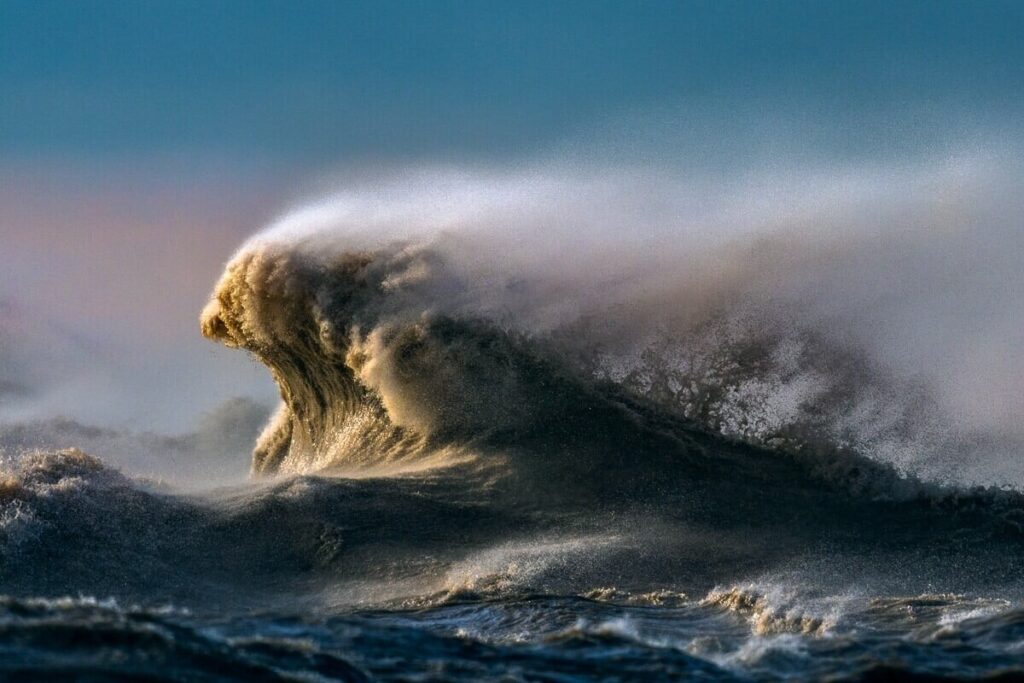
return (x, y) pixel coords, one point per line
(539, 638)
(412, 578)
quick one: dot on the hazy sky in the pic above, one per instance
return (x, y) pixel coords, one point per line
(140, 142)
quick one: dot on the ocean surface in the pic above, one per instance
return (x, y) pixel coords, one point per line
(453, 488)
(320, 578)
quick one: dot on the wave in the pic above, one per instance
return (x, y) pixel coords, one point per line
(408, 333)
(391, 369)
(459, 534)
(370, 377)
(372, 374)
(460, 430)
(946, 636)
(392, 314)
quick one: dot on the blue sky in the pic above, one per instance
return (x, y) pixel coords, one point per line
(316, 82)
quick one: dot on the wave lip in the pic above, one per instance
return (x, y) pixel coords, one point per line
(295, 319)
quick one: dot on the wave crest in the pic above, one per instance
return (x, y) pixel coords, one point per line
(408, 334)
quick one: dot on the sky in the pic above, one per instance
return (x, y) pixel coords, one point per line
(269, 82)
(140, 143)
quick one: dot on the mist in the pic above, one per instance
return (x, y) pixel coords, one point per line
(879, 297)
(908, 263)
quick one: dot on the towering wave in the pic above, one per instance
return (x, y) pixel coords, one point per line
(464, 341)
(412, 321)
(373, 377)
(515, 409)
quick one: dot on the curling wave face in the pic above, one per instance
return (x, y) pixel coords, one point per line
(373, 376)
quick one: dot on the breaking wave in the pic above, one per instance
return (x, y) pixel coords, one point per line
(439, 316)
(447, 325)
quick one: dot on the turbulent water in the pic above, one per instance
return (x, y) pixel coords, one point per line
(493, 461)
